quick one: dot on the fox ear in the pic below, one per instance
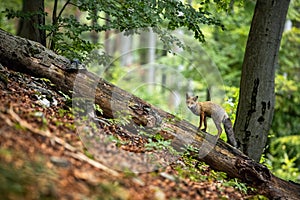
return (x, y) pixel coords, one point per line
(186, 95)
(195, 98)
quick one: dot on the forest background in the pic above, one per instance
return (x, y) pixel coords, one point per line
(161, 73)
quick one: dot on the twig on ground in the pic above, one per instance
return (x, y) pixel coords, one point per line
(46, 133)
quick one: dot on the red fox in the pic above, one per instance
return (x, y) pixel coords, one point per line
(216, 112)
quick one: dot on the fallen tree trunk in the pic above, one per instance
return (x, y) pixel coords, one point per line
(32, 58)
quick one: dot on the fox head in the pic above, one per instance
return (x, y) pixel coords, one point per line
(191, 102)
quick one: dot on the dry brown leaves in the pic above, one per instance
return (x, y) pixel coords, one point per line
(41, 155)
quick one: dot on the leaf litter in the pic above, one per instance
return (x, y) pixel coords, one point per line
(42, 156)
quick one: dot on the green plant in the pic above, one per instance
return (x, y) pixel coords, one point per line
(158, 143)
(192, 168)
(98, 109)
(62, 112)
(67, 33)
(22, 178)
(111, 190)
(242, 187)
(46, 81)
(285, 167)
(122, 118)
(116, 140)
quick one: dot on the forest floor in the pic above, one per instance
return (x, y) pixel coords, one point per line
(42, 156)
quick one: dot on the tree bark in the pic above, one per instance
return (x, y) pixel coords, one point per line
(29, 26)
(32, 58)
(257, 96)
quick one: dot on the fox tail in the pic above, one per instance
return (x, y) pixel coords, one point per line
(229, 132)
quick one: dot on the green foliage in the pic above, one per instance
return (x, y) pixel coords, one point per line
(108, 191)
(287, 87)
(116, 140)
(67, 31)
(4, 5)
(199, 171)
(294, 9)
(133, 14)
(286, 113)
(284, 167)
(10, 14)
(238, 185)
(289, 52)
(98, 109)
(226, 49)
(69, 35)
(192, 170)
(24, 179)
(284, 151)
(157, 144)
(121, 118)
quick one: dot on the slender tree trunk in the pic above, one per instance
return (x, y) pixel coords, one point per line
(256, 102)
(163, 73)
(94, 35)
(29, 26)
(54, 22)
(125, 49)
(151, 56)
(108, 42)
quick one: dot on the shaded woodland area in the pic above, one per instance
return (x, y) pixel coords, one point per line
(221, 157)
(101, 138)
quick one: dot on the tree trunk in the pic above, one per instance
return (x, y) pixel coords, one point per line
(94, 35)
(257, 96)
(125, 49)
(32, 58)
(147, 57)
(29, 26)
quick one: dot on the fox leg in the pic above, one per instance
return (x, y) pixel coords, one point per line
(218, 126)
(205, 123)
(200, 122)
(202, 117)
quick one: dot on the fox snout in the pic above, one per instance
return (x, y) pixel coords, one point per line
(190, 106)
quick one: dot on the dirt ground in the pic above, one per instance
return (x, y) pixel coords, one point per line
(43, 157)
